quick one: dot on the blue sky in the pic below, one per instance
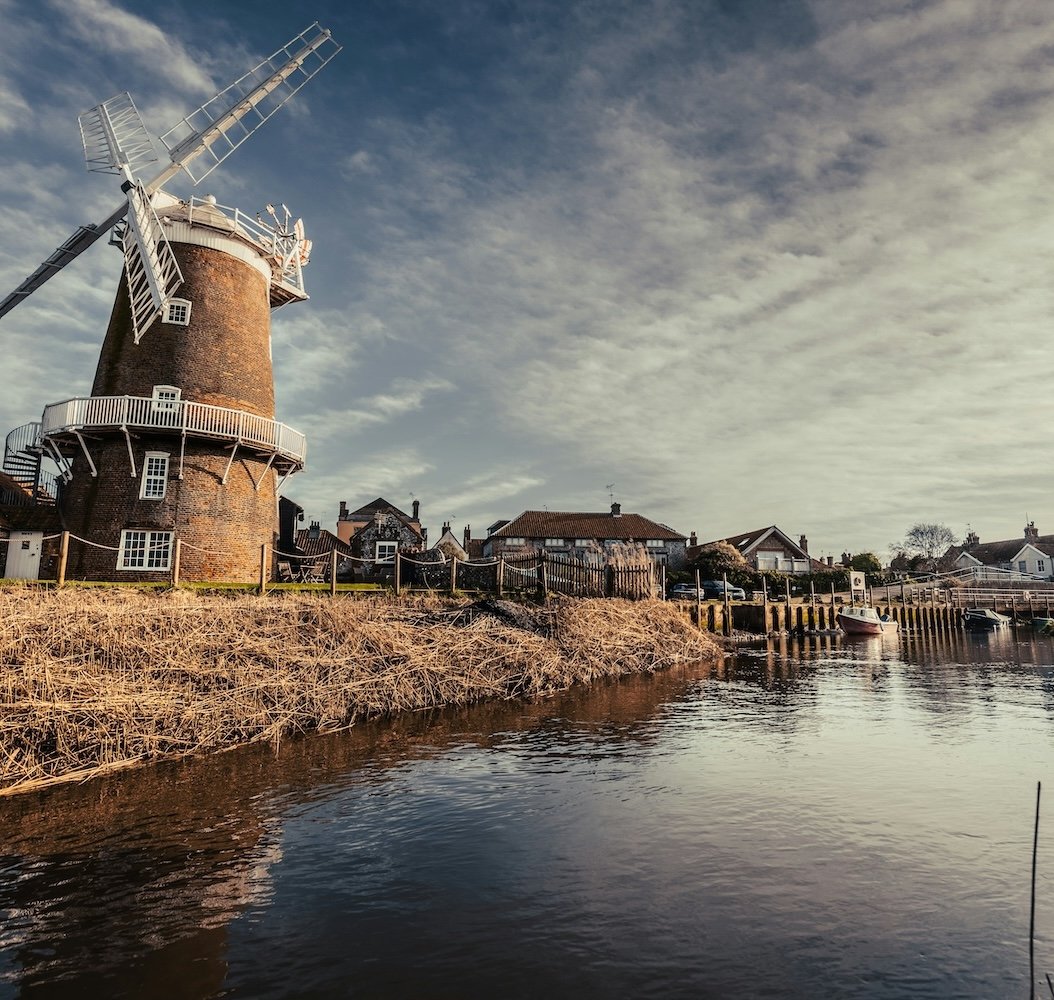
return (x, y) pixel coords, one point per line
(750, 261)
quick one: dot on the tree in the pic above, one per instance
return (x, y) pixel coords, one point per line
(930, 541)
(718, 558)
(866, 562)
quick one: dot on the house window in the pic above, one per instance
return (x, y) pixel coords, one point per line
(155, 476)
(554, 542)
(149, 550)
(166, 398)
(1041, 566)
(583, 542)
(386, 551)
(177, 311)
(513, 542)
(1022, 566)
(655, 543)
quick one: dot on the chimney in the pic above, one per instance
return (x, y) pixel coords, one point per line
(343, 510)
(616, 510)
(693, 539)
(315, 530)
(803, 544)
(468, 536)
(446, 527)
(972, 539)
(1031, 531)
(417, 510)
(830, 560)
(847, 558)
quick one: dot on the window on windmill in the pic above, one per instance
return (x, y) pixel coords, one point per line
(177, 311)
(166, 398)
(386, 551)
(155, 476)
(149, 550)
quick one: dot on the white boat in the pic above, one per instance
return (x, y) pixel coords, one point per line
(865, 621)
(984, 618)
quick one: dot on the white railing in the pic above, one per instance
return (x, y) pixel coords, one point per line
(181, 416)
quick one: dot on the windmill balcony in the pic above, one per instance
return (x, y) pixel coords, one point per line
(66, 422)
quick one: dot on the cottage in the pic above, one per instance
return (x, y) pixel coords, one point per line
(376, 531)
(1032, 555)
(771, 550)
(591, 537)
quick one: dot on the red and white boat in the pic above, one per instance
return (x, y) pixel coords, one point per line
(865, 621)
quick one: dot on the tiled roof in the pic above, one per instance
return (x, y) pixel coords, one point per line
(997, 553)
(746, 540)
(368, 510)
(563, 524)
(325, 543)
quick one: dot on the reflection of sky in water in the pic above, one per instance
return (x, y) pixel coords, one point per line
(809, 818)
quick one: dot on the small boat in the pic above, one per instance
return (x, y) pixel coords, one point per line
(984, 618)
(865, 621)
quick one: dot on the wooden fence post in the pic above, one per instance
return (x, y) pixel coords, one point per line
(398, 575)
(176, 556)
(501, 576)
(542, 582)
(64, 552)
(263, 568)
(333, 573)
(453, 575)
(698, 603)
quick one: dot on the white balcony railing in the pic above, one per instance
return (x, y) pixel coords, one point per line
(179, 416)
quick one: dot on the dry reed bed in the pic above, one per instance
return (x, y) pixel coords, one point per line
(95, 680)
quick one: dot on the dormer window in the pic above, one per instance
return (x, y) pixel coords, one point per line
(177, 312)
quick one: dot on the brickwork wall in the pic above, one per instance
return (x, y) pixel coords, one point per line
(232, 518)
(223, 357)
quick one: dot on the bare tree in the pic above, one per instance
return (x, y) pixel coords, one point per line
(930, 541)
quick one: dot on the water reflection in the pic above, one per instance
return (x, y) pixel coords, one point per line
(809, 817)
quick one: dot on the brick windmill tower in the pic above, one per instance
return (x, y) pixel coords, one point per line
(178, 440)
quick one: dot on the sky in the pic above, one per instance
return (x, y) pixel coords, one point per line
(729, 263)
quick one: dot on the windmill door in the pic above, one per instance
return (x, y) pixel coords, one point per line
(23, 555)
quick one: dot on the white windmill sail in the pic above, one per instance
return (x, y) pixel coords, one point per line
(116, 141)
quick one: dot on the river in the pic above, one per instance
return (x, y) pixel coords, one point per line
(811, 818)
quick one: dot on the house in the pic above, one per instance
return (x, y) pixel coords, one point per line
(379, 529)
(591, 537)
(772, 550)
(449, 546)
(474, 546)
(1032, 555)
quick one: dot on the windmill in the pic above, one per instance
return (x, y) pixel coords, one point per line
(178, 442)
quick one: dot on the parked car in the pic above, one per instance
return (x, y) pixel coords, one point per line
(682, 592)
(717, 589)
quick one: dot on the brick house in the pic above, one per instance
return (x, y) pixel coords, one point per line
(379, 529)
(590, 537)
(770, 550)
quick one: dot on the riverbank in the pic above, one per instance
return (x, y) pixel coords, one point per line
(93, 681)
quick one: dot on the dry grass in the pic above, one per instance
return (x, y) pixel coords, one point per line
(95, 680)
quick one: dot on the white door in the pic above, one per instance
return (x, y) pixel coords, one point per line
(23, 555)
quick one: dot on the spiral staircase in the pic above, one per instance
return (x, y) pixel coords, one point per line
(23, 458)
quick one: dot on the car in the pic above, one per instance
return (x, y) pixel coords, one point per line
(682, 592)
(718, 589)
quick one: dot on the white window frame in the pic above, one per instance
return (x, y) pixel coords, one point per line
(166, 398)
(177, 312)
(389, 549)
(515, 543)
(655, 543)
(583, 543)
(154, 484)
(554, 543)
(1041, 566)
(145, 551)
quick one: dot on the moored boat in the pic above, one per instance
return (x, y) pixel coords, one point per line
(984, 618)
(864, 620)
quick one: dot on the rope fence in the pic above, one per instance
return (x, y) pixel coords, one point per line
(158, 555)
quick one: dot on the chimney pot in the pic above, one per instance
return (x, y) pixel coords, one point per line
(343, 510)
(315, 530)
(693, 539)
(616, 510)
(417, 510)
(468, 536)
(803, 544)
